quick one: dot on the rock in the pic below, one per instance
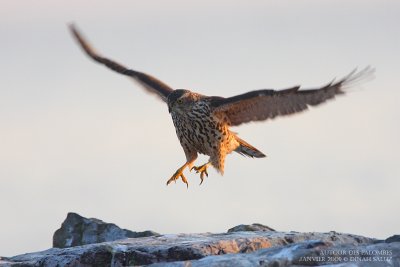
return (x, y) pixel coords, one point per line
(251, 227)
(242, 246)
(307, 253)
(77, 230)
(393, 238)
(5, 262)
(228, 249)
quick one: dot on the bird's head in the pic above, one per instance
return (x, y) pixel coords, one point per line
(178, 101)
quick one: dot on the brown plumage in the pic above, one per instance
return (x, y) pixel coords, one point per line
(202, 122)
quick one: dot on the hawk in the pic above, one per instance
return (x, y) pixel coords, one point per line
(202, 122)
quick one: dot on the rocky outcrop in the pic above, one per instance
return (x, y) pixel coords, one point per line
(310, 253)
(393, 238)
(231, 249)
(252, 228)
(77, 230)
(254, 245)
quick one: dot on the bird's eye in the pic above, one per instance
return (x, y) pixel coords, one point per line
(180, 101)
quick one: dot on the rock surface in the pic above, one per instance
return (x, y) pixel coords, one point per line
(303, 254)
(77, 230)
(257, 245)
(393, 238)
(252, 227)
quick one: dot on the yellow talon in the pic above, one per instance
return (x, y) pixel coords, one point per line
(202, 170)
(177, 174)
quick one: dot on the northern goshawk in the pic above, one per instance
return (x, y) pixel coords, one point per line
(202, 122)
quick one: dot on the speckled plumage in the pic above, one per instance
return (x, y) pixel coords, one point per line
(202, 122)
(199, 131)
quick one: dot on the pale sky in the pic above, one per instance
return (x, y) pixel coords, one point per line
(74, 136)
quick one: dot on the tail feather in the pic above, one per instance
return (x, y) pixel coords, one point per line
(245, 149)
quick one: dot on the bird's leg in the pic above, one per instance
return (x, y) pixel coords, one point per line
(179, 173)
(191, 156)
(202, 170)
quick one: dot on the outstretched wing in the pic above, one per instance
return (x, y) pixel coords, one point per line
(267, 104)
(151, 84)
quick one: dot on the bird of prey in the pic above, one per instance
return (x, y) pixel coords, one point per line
(202, 122)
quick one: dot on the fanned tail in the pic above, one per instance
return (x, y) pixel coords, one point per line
(245, 149)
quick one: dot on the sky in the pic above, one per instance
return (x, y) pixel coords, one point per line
(76, 137)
